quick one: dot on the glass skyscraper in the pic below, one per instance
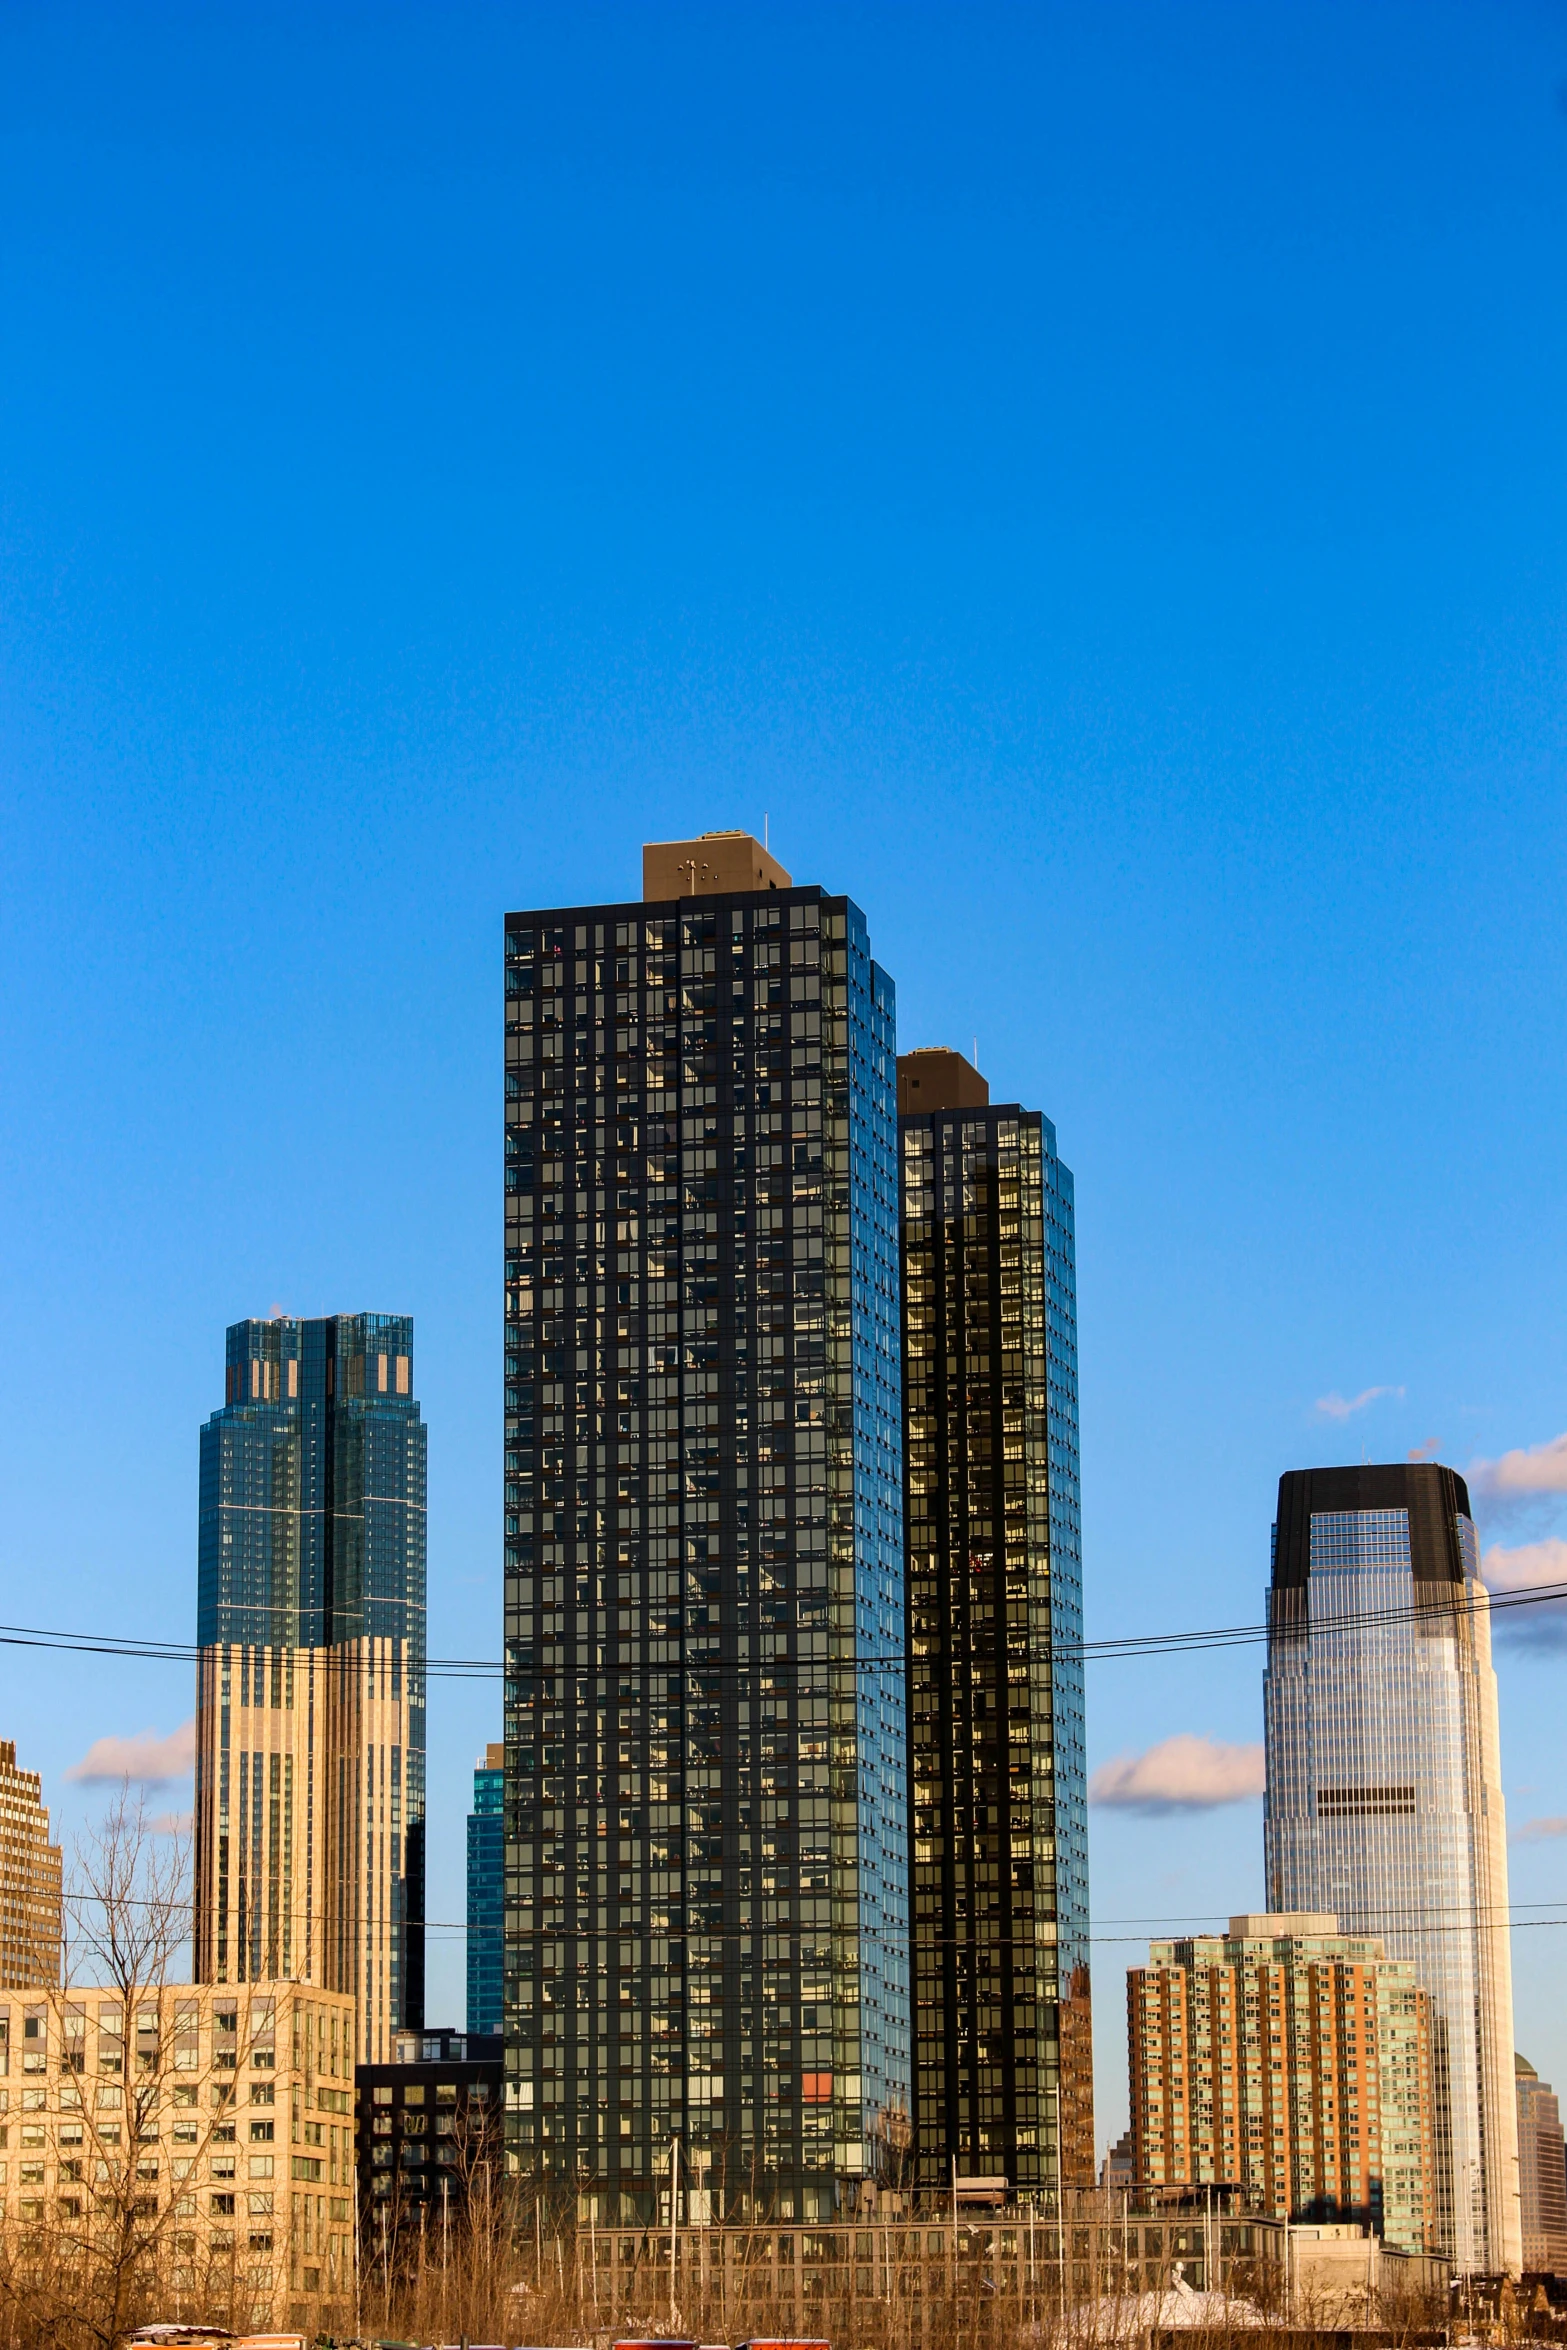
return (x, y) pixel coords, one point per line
(1384, 1793)
(1002, 2020)
(310, 1771)
(707, 1929)
(487, 1893)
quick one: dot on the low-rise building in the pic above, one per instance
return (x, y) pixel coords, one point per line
(1542, 2173)
(428, 2130)
(1294, 2062)
(213, 2123)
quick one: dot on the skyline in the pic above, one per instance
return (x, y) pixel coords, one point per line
(1094, 487)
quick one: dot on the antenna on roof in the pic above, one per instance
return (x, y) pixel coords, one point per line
(765, 843)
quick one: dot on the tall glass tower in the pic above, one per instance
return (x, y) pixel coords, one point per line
(1002, 2018)
(487, 1893)
(1384, 1795)
(310, 1714)
(706, 1853)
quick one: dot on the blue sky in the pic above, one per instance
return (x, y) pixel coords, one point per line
(1093, 477)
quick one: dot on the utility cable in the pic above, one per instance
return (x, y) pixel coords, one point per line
(1130, 1645)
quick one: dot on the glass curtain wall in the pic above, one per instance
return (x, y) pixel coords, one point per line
(1384, 1798)
(1004, 2079)
(706, 1852)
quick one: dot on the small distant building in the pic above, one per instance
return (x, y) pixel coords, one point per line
(1542, 2173)
(429, 2129)
(1119, 2168)
(29, 1881)
(487, 1893)
(1291, 2062)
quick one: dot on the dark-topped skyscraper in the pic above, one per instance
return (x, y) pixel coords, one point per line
(706, 1846)
(310, 1728)
(1384, 1798)
(1002, 2019)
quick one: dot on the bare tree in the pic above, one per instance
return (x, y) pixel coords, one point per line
(127, 1905)
(103, 2259)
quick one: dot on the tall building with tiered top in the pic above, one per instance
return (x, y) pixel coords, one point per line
(1003, 2043)
(30, 1920)
(706, 1851)
(310, 1714)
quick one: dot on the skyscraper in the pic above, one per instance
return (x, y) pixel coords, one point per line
(310, 1713)
(487, 1892)
(1003, 2041)
(30, 1919)
(706, 1852)
(1384, 1793)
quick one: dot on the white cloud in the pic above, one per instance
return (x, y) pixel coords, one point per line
(1536, 1468)
(1342, 1407)
(1184, 1773)
(1536, 1831)
(1528, 1567)
(173, 1823)
(1525, 1567)
(152, 1760)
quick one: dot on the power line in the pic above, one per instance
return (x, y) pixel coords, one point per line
(1130, 1645)
(880, 1936)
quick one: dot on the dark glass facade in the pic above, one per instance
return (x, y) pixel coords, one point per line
(312, 1549)
(999, 1848)
(427, 2138)
(487, 1893)
(706, 1843)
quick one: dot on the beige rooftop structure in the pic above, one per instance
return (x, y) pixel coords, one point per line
(1280, 1925)
(710, 866)
(935, 1078)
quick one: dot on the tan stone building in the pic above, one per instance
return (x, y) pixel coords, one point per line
(29, 1880)
(1292, 2062)
(299, 1821)
(1542, 2173)
(219, 2121)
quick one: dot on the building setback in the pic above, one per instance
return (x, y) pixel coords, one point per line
(1293, 2062)
(999, 1853)
(487, 1893)
(30, 1881)
(706, 1846)
(310, 1706)
(1542, 2174)
(1384, 1781)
